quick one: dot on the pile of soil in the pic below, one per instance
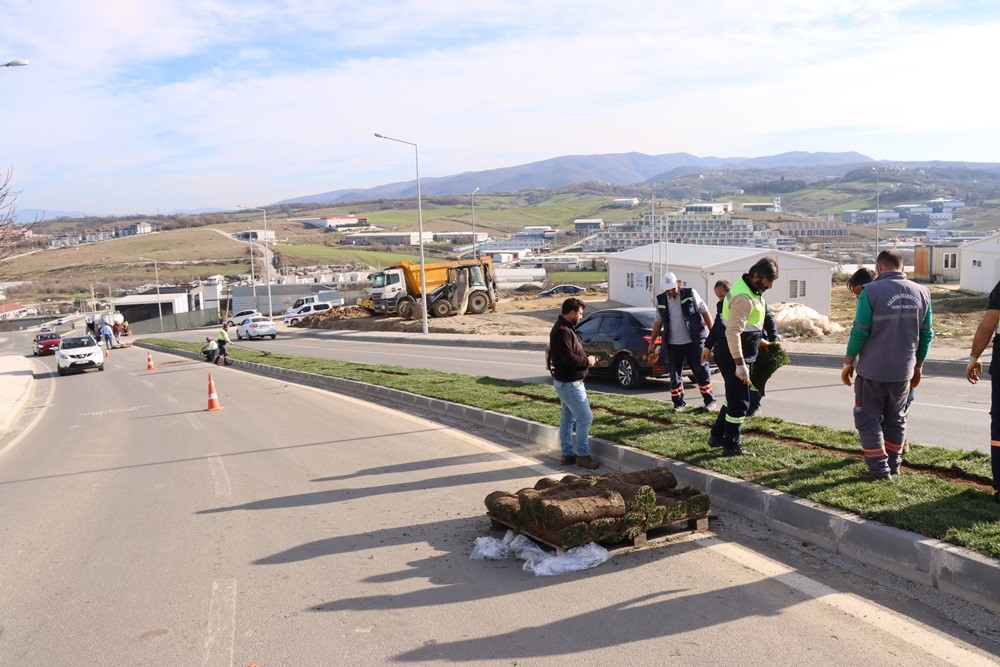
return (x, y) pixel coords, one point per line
(516, 315)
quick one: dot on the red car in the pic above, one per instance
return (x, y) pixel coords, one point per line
(45, 343)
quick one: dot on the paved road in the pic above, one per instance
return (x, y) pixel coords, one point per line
(299, 527)
(948, 412)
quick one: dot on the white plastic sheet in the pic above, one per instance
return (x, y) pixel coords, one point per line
(536, 560)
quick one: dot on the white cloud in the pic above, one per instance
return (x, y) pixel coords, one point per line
(126, 107)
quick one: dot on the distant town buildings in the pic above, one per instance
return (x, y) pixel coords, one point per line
(625, 203)
(701, 229)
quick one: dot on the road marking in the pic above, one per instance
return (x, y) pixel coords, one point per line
(938, 645)
(221, 639)
(148, 383)
(195, 424)
(34, 422)
(170, 399)
(219, 476)
(111, 411)
(951, 407)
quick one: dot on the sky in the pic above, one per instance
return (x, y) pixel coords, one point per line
(151, 106)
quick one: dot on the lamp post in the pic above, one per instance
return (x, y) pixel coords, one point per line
(875, 171)
(475, 249)
(15, 63)
(253, 280)
(159, 302)
(420, 228)
(267, 258)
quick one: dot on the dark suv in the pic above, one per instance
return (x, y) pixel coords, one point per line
(619, 338)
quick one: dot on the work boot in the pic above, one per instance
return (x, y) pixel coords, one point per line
(738, 451)
(712, 406)
(871, 476)
(680, 408)
(587, 462)
(567, 460)
(715, 441)
(218, 362)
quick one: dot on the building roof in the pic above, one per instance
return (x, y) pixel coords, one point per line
(705, 256)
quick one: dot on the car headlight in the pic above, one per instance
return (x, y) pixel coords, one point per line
(61, 355)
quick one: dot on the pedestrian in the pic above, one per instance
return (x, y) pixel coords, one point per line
(743, 312)
(890, 338)
(569, 363)
(210, 349)
(223, 341)
(116, 328)
(684, 321)
(106, 334)
(91, 327)
(989, 327)
(125, 330)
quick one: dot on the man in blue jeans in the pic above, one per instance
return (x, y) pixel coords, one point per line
(569, 364)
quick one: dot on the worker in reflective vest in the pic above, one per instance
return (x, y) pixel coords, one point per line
(743, 313)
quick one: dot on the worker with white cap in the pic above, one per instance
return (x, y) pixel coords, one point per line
(684, 320)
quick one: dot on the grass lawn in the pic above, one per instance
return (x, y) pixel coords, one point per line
(944, 494)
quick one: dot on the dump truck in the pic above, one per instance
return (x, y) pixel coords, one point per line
(452, 288)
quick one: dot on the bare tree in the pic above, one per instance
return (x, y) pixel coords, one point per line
(11, 231)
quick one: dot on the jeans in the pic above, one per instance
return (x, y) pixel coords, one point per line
(575, 410)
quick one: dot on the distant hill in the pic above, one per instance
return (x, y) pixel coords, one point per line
(26, 215)
(613, 168)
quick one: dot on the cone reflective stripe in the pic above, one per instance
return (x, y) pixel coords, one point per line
(213, 398)
(149, 362)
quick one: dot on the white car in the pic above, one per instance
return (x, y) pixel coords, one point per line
(256, 327)
(78, 353)
(295, 316)
(237, 318)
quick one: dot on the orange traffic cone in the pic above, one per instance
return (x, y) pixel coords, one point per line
(149, 361)
(213, 398)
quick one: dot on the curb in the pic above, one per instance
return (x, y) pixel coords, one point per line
(951, 569)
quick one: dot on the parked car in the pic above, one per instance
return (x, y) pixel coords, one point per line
(296, 315)
(78, 353)
(45, 343)
(256, 327)
(563, 289)
(237, 318)
(619, 338)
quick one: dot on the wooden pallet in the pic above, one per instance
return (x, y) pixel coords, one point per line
(665, 533)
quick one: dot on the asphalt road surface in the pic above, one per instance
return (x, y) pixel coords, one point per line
(299, 527)
(948, 412)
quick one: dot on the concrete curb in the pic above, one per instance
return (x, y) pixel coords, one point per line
(17, 376)
(949, 568)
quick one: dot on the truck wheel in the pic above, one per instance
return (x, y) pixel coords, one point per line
(404, 308)
(477, 303)
(440, 308)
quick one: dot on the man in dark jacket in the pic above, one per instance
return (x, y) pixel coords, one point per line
(569, 364)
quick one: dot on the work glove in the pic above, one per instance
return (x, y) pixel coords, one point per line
(974, 370)
(743, 373)
(846, 374)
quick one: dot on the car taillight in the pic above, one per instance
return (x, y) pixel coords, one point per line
(659, 339)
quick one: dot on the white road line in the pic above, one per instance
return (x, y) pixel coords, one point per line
(951, 407)
(34, 422)
(195, 424)
(221, 638)
(170, 399)
(148, 383)
(936, 644)
(219, 476)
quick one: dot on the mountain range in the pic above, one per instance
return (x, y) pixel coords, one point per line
(613, 168)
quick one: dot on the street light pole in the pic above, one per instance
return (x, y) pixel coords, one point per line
(159, 301)
(875, 170)
(475, 249)
(267, 260)
(420, 228)
(253, 280)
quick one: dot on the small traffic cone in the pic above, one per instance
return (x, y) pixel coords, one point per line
(149, 361)
(213, 398)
